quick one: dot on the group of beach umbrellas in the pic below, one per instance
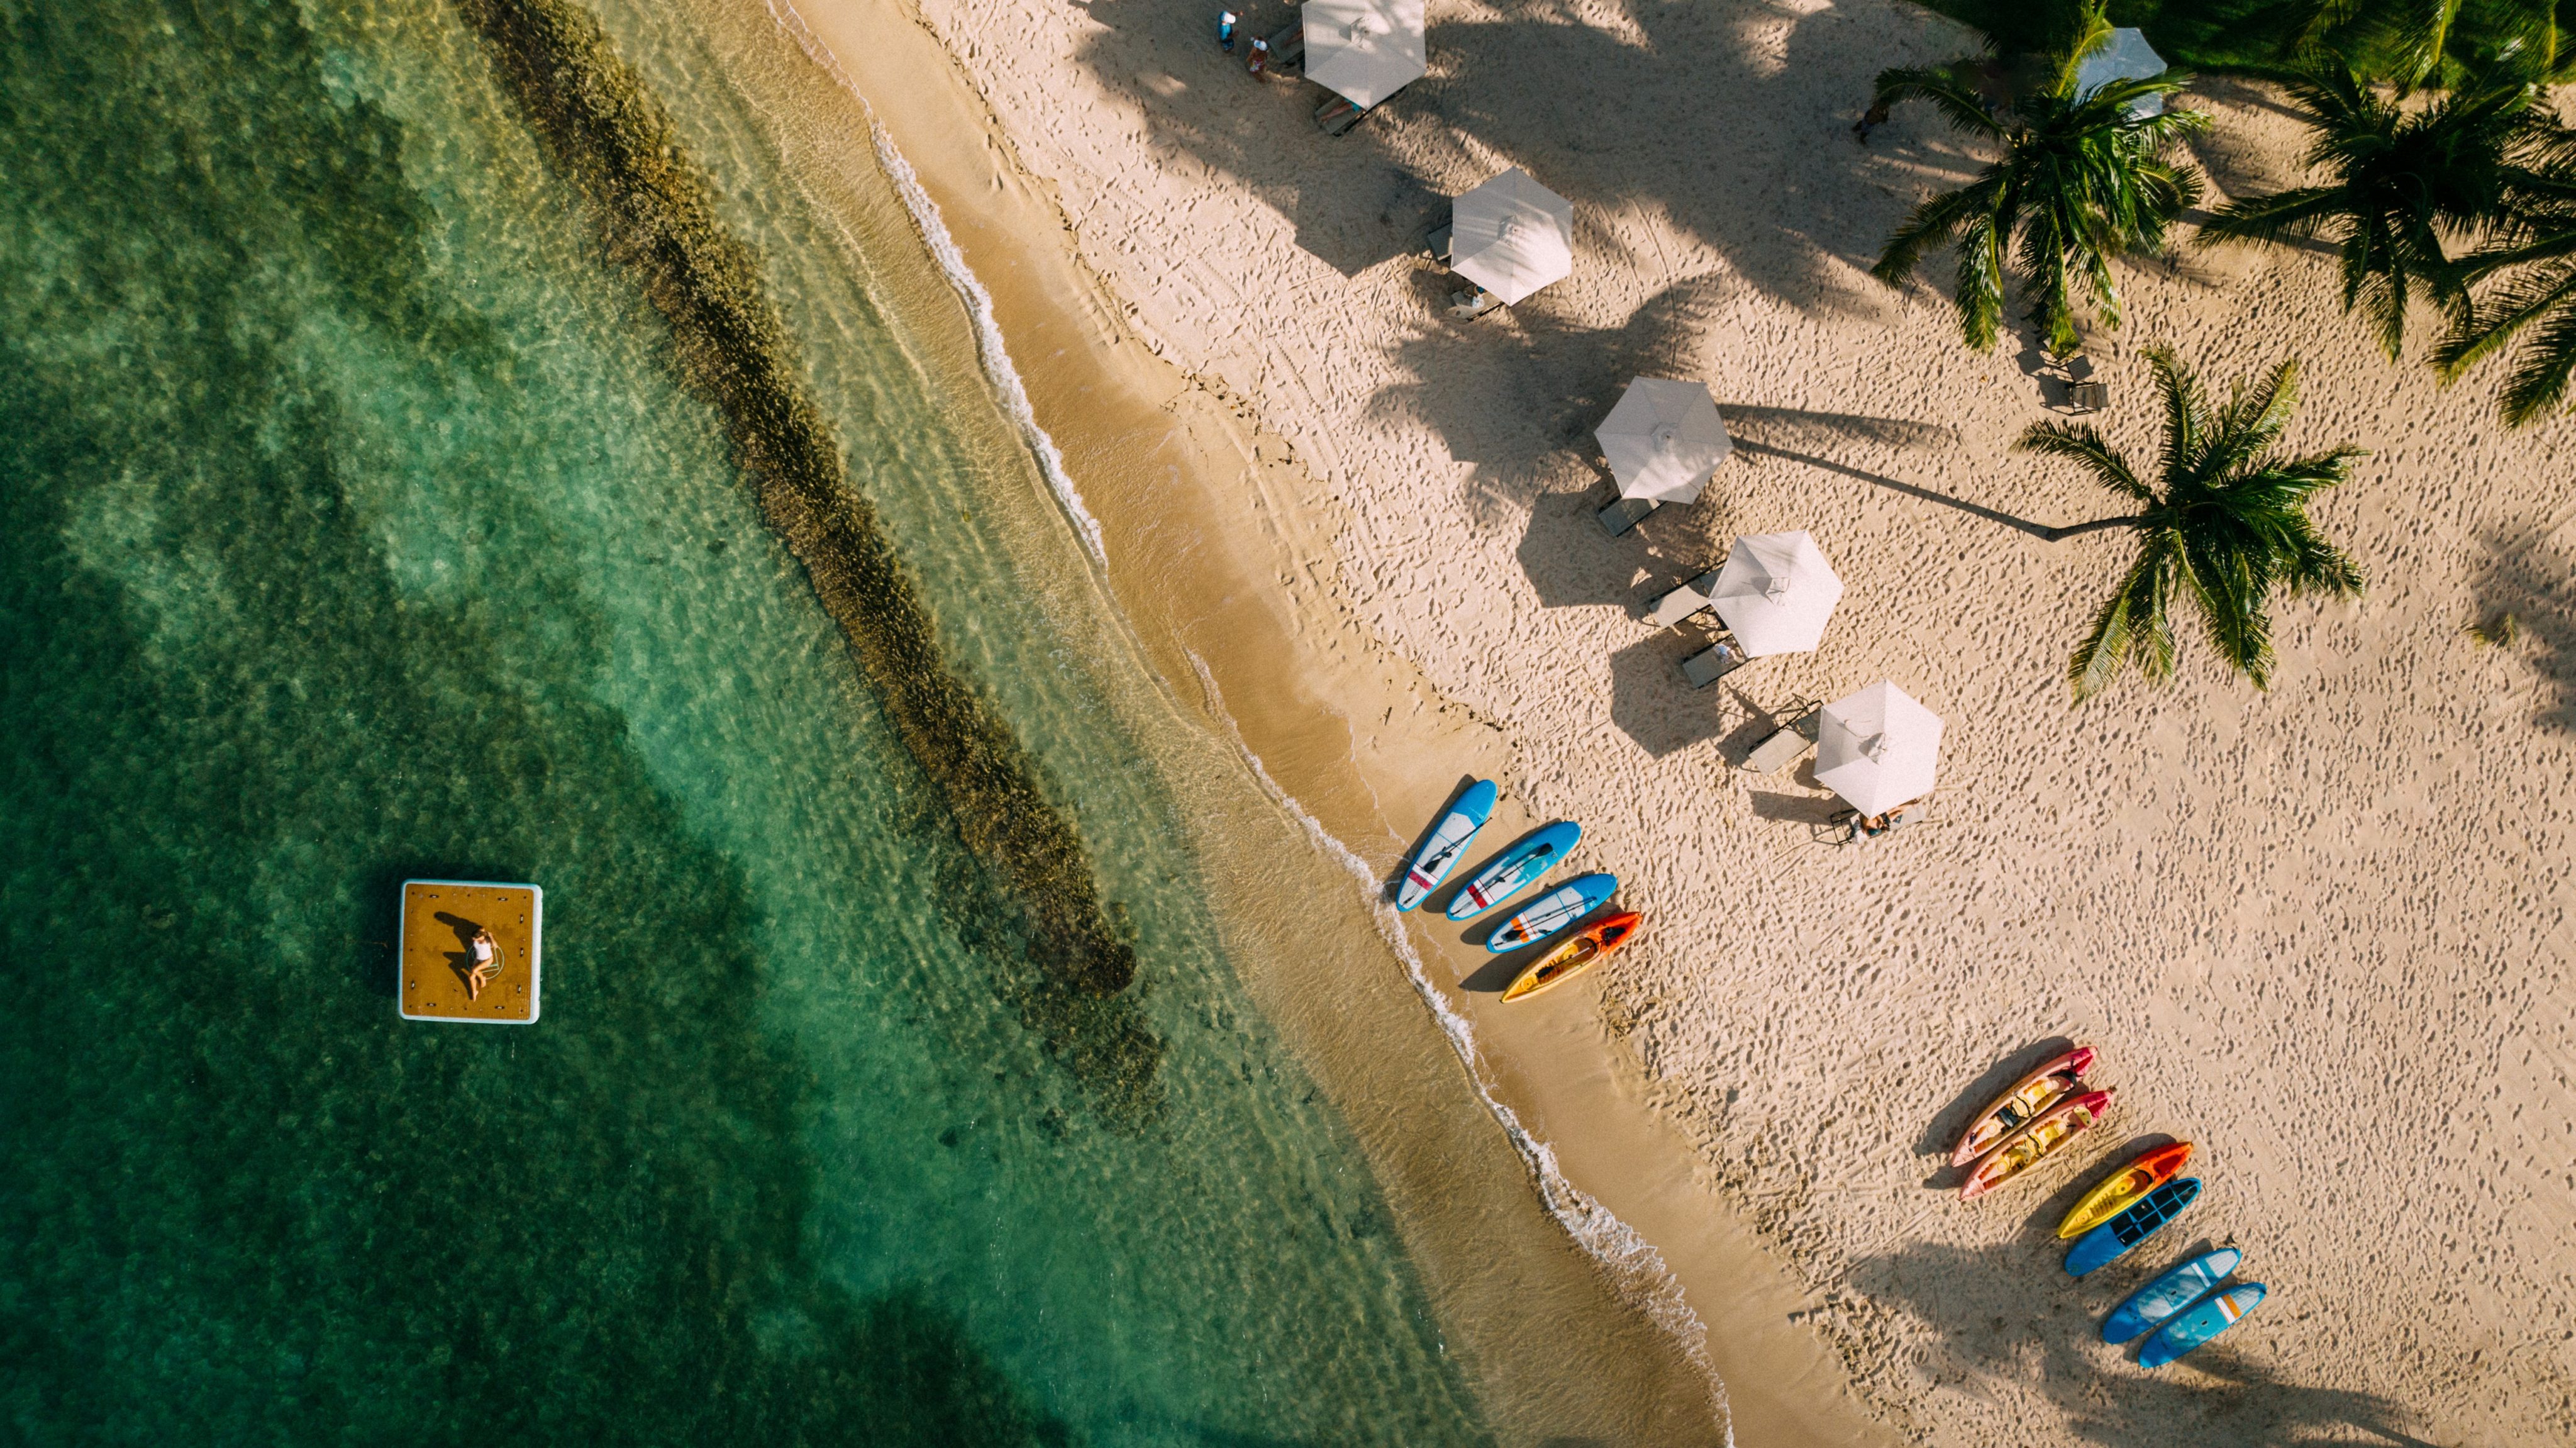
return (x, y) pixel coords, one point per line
(1664, 440)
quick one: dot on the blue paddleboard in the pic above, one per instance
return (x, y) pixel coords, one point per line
(1447, 846)
(2169, 1294)
(2213, 1315)
(1532, 855)
(1552, 912)
(2105, 1243)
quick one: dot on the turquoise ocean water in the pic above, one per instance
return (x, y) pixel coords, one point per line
(357, 528)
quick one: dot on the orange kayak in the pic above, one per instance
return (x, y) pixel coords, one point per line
(2028, 1097)
(2040, 1136)
(1586, 950)
(2120, 1190)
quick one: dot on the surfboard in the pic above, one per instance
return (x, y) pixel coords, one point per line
(2108, 1242)
(2169, 1294)
(2213, 1315)
(2027, 1147)
(1530, 856)
(1580, 952)
(1552, 912)
(2028, 1097)
(2113, 1195)
(1447, 846)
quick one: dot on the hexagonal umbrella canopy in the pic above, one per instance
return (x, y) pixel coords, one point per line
(1512, 236)
(1877, 748)
(2125, 56)
(1365, 50)
(1775, 593)
(1663, 440)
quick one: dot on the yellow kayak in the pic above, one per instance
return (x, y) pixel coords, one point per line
(2120, 1190)
(1574, 957)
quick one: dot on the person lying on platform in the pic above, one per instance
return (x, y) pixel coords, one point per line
(487, 962)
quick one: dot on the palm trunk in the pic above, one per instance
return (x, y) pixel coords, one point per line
(2058, 535)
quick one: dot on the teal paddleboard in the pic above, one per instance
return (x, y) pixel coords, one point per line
(2208, 1318)
(1552, 912)
(2169, 1294)
(1447, 846)
(2106, 1243)
(1530, 856)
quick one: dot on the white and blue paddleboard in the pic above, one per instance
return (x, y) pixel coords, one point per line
(1447, 846)
(2213, 1315)
(1552, 912)
(1532, 855)
(2108, 1242)
(2169, 1294)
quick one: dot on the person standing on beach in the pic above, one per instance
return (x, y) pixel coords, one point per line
(1260, 60)
(487, 962)
(1225, 30)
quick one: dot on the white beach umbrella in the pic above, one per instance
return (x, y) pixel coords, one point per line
(2126, 56)
(1512, 236)
(1663, 440)
(1877, 748)
(1775, 593)
(1365, 50)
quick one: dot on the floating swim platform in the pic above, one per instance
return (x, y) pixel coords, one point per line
(439, 918)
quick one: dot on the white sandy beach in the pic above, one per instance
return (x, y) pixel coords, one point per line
(2322, 932)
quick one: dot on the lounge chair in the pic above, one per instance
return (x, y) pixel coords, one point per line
(1685, 601)
(1468, 306)
(1288, 47)
(1715, 662)
(1338, 114)
(2088, 396)
(1438, 241)
(1784, 744)
(1848, 821)
(1625, 514)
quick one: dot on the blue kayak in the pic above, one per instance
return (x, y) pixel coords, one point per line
(1552, 912)
(2215, 1314)
(1447, 846)
(1532, 855)
(2169, 1294)
(2106, 1243)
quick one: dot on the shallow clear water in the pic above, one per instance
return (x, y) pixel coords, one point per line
(357, 528)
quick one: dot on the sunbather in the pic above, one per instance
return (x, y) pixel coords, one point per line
(487, 963)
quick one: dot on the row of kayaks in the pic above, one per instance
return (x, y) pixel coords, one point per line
(1521, 864)
(2031, 1121)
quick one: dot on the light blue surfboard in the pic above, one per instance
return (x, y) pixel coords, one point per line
(1447, 846)
(2169, 1294)
(1530, 856)
(2208, 1318)
(1552, 912)
(2108, 1242)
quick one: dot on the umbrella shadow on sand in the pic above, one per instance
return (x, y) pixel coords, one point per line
(1749, 149)
(2531, 580)
(2007, 1314)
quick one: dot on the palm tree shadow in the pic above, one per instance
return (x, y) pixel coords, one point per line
(2531, 579)
(2005, 1314)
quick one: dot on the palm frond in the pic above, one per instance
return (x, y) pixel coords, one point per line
(2080, 444)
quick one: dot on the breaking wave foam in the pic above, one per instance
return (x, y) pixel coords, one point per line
(1638, 1270)
(998, 368)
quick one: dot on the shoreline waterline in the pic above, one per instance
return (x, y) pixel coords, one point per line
(1296, 686)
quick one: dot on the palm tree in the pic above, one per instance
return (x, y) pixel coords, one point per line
(2534, 253)
(2403, 181)
(2081, 178)
(2466, 44)
(2224, 521)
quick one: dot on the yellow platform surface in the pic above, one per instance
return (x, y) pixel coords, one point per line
(439, 918)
